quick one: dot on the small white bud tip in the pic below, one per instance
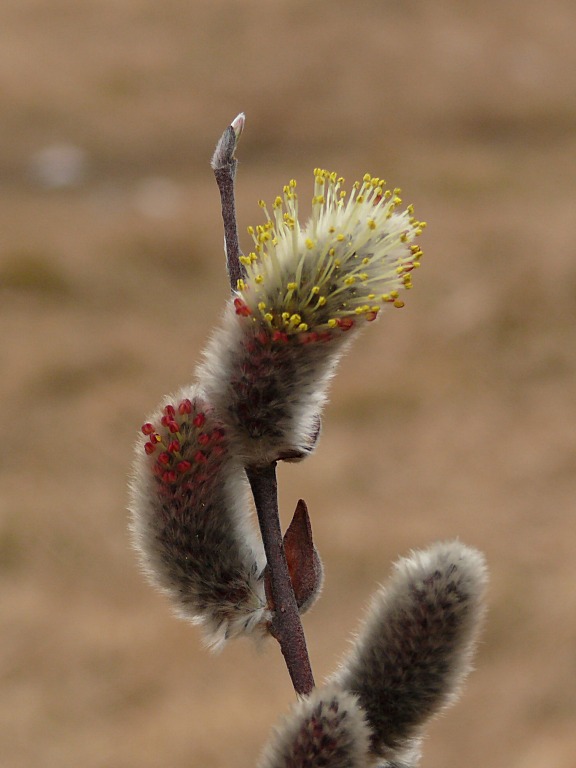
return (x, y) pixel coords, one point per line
(237, 125)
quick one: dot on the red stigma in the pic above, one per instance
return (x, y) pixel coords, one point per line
(170, 476)
(174, 446)
(170, 411)
(204, 438)
(183, 466)
(149, 448)
(345, 323)
(164, 458)
(148, 429)
(241, 308)
(279, 336)
(185, 407)
(173, 427)
(199, 458)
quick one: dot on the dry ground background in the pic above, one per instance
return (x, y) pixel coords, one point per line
(452, 418)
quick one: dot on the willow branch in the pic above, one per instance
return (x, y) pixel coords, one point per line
(286, 625)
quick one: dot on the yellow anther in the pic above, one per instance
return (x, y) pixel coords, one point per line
(332, 323)
(292, 286)
(259, 279)
(268, 317)
(315, 290)
(261, 306)
(350, 280)
(371, 224)
(365, 260)
(285, 316)
(302, 327)
(321, 301)
(309, 243)
(240, 284)
(340, 237)
(399, 303)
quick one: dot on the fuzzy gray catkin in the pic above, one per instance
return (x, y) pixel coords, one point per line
(306, 293)
(325, 729)
(414, 650)
(190, 520)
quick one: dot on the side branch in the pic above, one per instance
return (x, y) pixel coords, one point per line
(286, 624)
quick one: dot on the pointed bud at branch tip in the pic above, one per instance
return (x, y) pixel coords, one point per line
(223, 156)
(237, 125)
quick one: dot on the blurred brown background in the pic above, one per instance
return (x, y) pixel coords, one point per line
(452, 418)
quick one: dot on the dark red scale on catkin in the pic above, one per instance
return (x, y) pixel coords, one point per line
(199, 420)
(185, 407)
(241, 308)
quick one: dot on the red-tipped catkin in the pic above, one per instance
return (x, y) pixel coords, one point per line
(305, 293)
(190, 521)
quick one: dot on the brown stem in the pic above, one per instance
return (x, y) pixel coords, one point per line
(286, 624)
